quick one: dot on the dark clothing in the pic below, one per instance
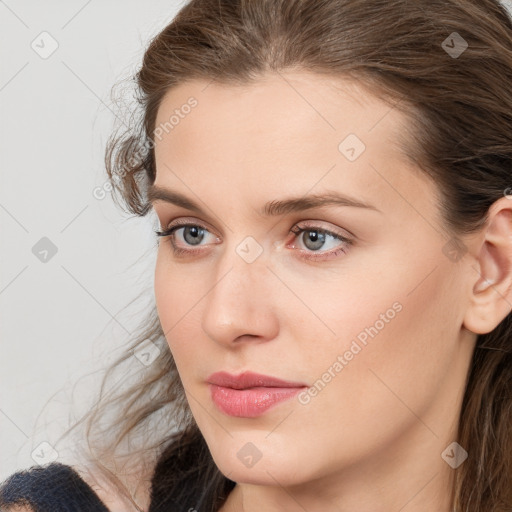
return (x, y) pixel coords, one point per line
(58, 487)
(52, 488)
(185, 479)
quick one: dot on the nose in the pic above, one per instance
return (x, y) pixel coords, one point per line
(239, 307)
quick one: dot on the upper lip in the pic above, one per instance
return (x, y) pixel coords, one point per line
(250, 380)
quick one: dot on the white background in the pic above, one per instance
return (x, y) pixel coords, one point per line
(63, 318)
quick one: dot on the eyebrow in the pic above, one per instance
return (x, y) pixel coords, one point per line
(272, 208)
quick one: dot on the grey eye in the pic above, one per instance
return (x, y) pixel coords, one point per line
(313, 239)
(193, 235)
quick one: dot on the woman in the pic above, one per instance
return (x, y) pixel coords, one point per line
(333, 288)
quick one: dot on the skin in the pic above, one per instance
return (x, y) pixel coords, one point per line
(371, 440)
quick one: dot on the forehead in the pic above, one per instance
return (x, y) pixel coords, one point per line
(293, 131)
(296, 113)
(317, 101)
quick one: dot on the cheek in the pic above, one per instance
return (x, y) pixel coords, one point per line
(175, 296)
(393, 351)
(178, 296)
(178, 288)
(165, 297)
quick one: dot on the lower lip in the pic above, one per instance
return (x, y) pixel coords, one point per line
(249, 403)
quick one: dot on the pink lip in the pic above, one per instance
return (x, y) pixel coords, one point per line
(249, 394)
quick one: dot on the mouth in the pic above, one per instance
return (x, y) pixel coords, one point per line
(249, 394)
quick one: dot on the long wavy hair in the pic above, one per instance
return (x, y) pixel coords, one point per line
(411, 54)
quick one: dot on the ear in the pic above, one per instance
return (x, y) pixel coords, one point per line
(491, 295)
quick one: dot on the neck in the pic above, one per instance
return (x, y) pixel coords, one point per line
(412, 477)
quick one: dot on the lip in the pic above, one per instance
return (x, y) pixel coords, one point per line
(249, 394)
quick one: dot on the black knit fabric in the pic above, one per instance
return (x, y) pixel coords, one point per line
(55, 487)
(58, 487)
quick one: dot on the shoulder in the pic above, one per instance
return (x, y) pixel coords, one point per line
(113, 499)
(48, 488)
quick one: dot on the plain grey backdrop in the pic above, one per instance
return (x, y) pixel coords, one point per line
(70, 261)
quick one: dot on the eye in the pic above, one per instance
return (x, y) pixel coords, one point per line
(191, 235)
(315, 243)
(314, 238)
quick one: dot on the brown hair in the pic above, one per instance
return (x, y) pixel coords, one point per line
(460, 112)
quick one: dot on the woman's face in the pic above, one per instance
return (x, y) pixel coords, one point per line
(362, 306)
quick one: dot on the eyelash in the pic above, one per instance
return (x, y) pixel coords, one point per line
(296, 230)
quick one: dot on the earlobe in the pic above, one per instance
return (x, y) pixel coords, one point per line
(491, 294)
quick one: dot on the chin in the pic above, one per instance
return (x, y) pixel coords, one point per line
(270, 470)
